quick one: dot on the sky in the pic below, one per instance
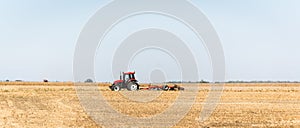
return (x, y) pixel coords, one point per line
(260, 38)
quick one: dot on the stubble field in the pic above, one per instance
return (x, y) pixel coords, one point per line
(241, 105)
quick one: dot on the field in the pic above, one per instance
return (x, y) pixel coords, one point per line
(241, 105)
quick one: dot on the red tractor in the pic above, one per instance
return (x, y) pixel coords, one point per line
(127, 81)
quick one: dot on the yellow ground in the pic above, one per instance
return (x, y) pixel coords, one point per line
(241, 105)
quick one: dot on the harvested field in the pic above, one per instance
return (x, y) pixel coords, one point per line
(241, 105)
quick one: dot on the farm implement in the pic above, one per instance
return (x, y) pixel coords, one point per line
(128, 81)
(163, 88)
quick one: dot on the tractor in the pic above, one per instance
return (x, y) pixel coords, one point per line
(127, 81)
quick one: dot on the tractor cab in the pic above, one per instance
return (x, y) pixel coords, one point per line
(129, 76)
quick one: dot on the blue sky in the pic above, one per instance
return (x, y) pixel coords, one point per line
(260, 38)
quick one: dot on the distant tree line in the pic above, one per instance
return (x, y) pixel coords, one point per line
(201, 81)
(263, 81)
(238, 81)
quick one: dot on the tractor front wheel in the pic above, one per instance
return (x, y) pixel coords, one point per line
(116, 88)
(165, 88)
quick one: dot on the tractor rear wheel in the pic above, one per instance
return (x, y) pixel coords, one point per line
(132, 86)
